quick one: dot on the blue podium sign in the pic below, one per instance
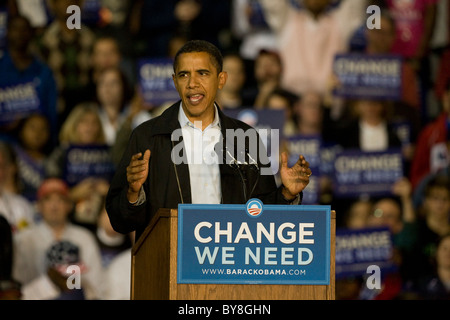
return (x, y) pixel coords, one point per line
(253, 243)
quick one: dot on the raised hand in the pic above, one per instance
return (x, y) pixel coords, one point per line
(294, 179)
(137, 173)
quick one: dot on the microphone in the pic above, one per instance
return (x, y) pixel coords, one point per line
(251, 164)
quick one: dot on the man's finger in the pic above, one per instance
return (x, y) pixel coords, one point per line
(147, 155)
(137, 156)
(284, 160)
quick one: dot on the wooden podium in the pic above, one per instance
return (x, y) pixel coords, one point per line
(154, 271)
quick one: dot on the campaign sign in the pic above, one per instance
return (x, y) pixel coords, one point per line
(253, 243)
(368, 76)
(373, 173)
(18, 100)
(83, 162)
(310, 148)
(358, 249)
(155, 80)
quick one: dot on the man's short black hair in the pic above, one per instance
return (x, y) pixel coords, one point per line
(201, 46)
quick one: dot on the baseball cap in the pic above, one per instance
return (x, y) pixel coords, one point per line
(53, 185)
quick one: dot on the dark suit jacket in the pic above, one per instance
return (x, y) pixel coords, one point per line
(349, 136)
(164, 190)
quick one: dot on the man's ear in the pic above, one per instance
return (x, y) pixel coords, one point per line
(223, 76)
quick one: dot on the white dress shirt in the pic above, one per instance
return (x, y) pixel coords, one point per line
(203, 162)
(374, 138)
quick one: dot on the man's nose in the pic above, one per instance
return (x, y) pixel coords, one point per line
(193, 81)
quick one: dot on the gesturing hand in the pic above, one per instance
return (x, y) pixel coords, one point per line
(294, 179)
(137, 173)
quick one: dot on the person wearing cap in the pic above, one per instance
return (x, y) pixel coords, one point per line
(39, 279)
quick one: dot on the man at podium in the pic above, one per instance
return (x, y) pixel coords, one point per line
(193, 153)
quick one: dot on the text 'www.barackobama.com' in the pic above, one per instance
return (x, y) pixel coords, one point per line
(254, 272)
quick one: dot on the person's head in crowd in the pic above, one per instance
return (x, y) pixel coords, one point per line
(370, 111)
(105, 54)
(387, 212)
(436, 203)
(83, 126)
(54, 202)
(380, 41)
(19, 33)
(113, 90)
(175, 43)
(34, 135)
(309, 113)
(358, 214)
(268, 67)
(280, 99)
(9, 174)
(59, 8)
(230, 95)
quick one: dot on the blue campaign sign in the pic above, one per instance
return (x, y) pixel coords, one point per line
(358, 249)
(253, 243)
(155, 80)
(372, 173)
(83, 162)
(368, 76)
(19, 99)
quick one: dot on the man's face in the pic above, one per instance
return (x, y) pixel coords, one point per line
(197, 81)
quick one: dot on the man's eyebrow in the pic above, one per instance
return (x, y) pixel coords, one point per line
(197, 71)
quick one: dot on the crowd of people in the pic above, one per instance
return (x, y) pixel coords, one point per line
(69, 99)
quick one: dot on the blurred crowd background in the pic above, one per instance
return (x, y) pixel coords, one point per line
(69, 99)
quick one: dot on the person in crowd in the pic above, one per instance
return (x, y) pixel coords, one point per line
(32, 151)
(231, 95)
(105, 54)
(111, 243)
(436, 285)
(310, 38)
(67, 52)
(268, 70)
(432, 149)
(10, 289)
(13, 206)
(113, 96)
(28, 83)
(36, 259)
(380, 42)
(371, 130)
(415, 22)
(249, 26)
(280, 99)
(190, 19)
(432, 223)
(87, 176)
(145, 180)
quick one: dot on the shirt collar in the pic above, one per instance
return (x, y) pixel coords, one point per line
(184, 121)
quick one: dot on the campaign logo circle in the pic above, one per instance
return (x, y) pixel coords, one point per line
(254, 208)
